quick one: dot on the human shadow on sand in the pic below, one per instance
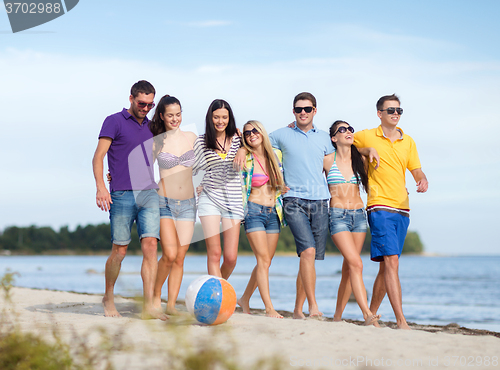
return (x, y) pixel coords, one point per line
(126, 309)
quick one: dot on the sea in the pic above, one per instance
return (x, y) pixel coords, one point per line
(436, 290)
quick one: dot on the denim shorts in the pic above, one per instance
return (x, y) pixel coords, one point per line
(134, 205)
(208, 208)
(179, 210)
(353, 220)
(388, 231)
(261, 218)
(308, 221)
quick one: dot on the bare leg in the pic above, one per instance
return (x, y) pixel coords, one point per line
(308, 275)
(169, 246)
(149, 271)
(211, 230)
(300, 298)
(346, 244)
(244, 301)
(379, 291)
(259, 241)
(393, 287)
(112, 269)
(343, 293)
(231, 234)
(345, 288)
(185, 233)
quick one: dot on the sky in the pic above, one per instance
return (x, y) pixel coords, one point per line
(61, 79)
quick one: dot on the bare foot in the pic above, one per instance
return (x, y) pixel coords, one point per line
(172, 311)
(298, 315)
(244, 304)
(404, 326)
(372, 320)
(153, 314)
(109, 308)
(318, 317)
(157, 303)
(315, 314)
(273, 313)
(337, 318)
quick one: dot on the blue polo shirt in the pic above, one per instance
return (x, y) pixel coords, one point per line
(130, 156)
(303, 154)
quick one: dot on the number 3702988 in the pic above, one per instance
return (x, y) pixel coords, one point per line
(33, 8)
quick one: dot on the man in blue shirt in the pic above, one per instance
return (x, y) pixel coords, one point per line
(306, 203)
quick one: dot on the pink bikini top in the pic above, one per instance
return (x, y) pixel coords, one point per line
(259, 179)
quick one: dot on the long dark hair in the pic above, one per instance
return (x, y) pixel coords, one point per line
(210, 132)
(357, 163)
(157, 126)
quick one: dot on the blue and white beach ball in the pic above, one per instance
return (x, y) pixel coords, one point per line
(211, 299)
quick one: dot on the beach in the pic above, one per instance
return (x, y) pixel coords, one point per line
(246, 339)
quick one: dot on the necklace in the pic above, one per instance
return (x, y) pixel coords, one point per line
(222, 147)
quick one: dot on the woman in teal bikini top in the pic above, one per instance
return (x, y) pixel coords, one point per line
(347, 216)
(335, 177)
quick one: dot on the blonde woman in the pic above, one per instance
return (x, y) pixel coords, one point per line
(262, 185)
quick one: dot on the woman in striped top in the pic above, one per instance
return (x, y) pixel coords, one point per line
(345, 171)
(220, 199)
(173, 148)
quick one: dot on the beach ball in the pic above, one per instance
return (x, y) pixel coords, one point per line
(211, 299)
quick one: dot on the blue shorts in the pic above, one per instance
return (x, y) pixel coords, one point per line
(308, 222)
(134, 205)
(208, 208)
(179, 210)
(353, 220)
(388, 231)
(261, 218)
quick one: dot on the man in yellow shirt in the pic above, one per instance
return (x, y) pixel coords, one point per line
(388, 204)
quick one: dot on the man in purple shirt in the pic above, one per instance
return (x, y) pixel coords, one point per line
(126, 139)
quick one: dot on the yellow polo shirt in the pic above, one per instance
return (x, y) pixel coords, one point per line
(387, 184)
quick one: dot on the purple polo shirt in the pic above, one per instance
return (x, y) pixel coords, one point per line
(130, 156)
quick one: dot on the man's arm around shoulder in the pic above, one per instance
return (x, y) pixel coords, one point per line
(368, 152)
(103, 198)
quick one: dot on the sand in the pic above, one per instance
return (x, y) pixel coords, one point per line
(308, 344)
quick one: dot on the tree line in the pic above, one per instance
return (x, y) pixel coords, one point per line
(96, 239)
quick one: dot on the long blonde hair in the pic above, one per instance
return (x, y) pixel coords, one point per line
(275, 176)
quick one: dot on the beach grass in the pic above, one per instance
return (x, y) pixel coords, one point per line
(97, 347)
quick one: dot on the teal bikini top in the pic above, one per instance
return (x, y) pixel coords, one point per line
(335, 176)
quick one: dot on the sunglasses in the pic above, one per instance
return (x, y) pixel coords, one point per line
(343, 129)
(144, 105)
(299, 109)
(393, 110)
(250, 132)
